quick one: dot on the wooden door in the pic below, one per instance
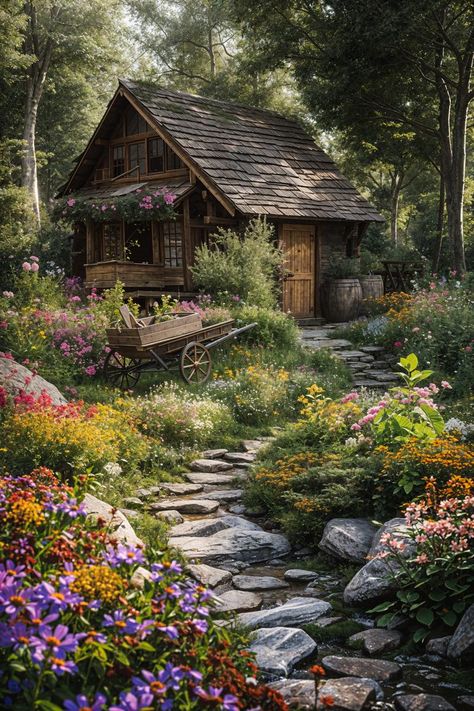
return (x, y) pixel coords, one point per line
(299, 245)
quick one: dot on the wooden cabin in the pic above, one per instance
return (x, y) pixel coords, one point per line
(226, 163)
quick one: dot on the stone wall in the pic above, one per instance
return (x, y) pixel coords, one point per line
(332, 241)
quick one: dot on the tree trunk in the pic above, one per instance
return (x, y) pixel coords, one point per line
(29, 173)
(395, 190)
(439, 227)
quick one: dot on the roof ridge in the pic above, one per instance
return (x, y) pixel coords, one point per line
(220, 102)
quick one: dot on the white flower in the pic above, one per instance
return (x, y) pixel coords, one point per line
(112, 469)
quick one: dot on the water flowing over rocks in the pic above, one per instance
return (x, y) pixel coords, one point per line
(348, 538)
(15, 378)
(278, 649)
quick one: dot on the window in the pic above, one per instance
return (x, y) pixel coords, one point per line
(118, 160)
(112, 236)
(134, 123)
(139, 244)
(136, 156)
(173, 162)
(156, 157)
(173, 244)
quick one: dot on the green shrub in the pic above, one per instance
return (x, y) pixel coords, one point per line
(274, 329)
(240, 267)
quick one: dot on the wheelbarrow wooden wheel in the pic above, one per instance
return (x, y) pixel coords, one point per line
(195, 363)
(121, 371)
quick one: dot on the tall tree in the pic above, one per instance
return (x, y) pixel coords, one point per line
(73, 36)
(375, 61)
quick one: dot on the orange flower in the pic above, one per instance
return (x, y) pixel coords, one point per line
(327, 700)
(317, 670)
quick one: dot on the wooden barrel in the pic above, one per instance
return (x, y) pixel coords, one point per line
(342, 299)
(372, 286)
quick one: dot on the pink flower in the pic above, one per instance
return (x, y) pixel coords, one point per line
(349, 397)
(446, 385)
(169, 198)
(71, 202)
(34, 267)
(26, 266)
(468, 349)
(398, 344)
(356, 427)
(8, 294)
(34, 259)
(90, 370)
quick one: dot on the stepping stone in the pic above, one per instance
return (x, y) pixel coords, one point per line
(210, 466)
(422, 702)
(377, 669)
(298, 575)
(278, 649)
(203, 527)
(240, 457)
(327, 621)
(208, 576)
(144, 493)
(186, 506)
(212, 479)
(231, 545)
(438, 646)
(359, 365)
(133, 502)
(347, 694)
(214, 453)
(351, 355)
(376, 640)
(368, 359)
(252, 445)
(258, 582)
(238, 509)
(297, 693)
(182, 489)
(348, 538)
(240, 522)
(170, 516)
(296, 612)
(368, 384)
(372, 349)
(237, 601)
(225, 495)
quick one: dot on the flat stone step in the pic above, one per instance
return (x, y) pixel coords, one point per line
(214, 453)
(368, 384)
(422, 702)
(377, 640)
(240, 457)
(223, 495)
(189, 506)
(377, 669)
(299, 575)
(210, 465)
(182, 489)
(258, 582)
(253, 445)
(237, 601)
(209, 576)
(372, 349)
(209, 526)
(296, 612)
(212, 479)
(351, 354)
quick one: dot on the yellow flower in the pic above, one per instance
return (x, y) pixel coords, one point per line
(98, 582)
(24, 513)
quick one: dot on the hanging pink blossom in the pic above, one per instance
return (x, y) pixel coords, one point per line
(26, 266)
(34, 267)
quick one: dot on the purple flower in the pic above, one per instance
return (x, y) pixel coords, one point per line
(124, 555)
(131, 702)
(58, 599)
(57, 643)
(82, 702)
(61, 666)
(125, 625)
(199, 626)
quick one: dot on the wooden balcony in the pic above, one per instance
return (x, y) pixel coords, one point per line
(104, 275)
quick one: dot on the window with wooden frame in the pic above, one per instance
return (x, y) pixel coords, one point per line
(137, 157)
(118, 160)
(134, 122)
(112, 241)
(173, 161)
(172, 244)
(156, 155)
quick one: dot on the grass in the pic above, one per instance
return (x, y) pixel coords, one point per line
(339, 631)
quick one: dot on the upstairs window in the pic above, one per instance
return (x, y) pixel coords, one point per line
(136, 157)
(118, 160)
(156, 155)
(134, 123)
(173, 244)
(173, 162)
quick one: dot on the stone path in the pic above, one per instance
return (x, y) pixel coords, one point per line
(370, 366)
(255, 577)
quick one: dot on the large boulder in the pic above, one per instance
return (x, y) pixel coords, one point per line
(296, 612)
(15, 378)
(278, 649)
(461, 645)
(232, 544)
(348, 538)
(374, 582)
(118, 525)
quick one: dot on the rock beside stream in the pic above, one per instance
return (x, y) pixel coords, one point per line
(377, 669)
(348, 538)
(422, 702)
(295, 612)
(461, 645)
(278, 649)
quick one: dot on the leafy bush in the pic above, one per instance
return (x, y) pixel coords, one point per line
(435, 583)
(67, 437)
(240, 267)
(80, 628)
(255, 394)
(274, 329)
(175, 416)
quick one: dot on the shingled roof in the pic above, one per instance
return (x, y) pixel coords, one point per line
(264, 163)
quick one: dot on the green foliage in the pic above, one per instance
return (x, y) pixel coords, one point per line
(240, 267)
(274, 329)
(340, 268)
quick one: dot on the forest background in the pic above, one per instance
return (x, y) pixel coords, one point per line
(384, 87)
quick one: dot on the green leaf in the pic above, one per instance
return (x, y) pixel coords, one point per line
(437, 595)
(449, 618)
(382, 607)
(411, 362)
(459, 606)
(425, 616)
(420, 635)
